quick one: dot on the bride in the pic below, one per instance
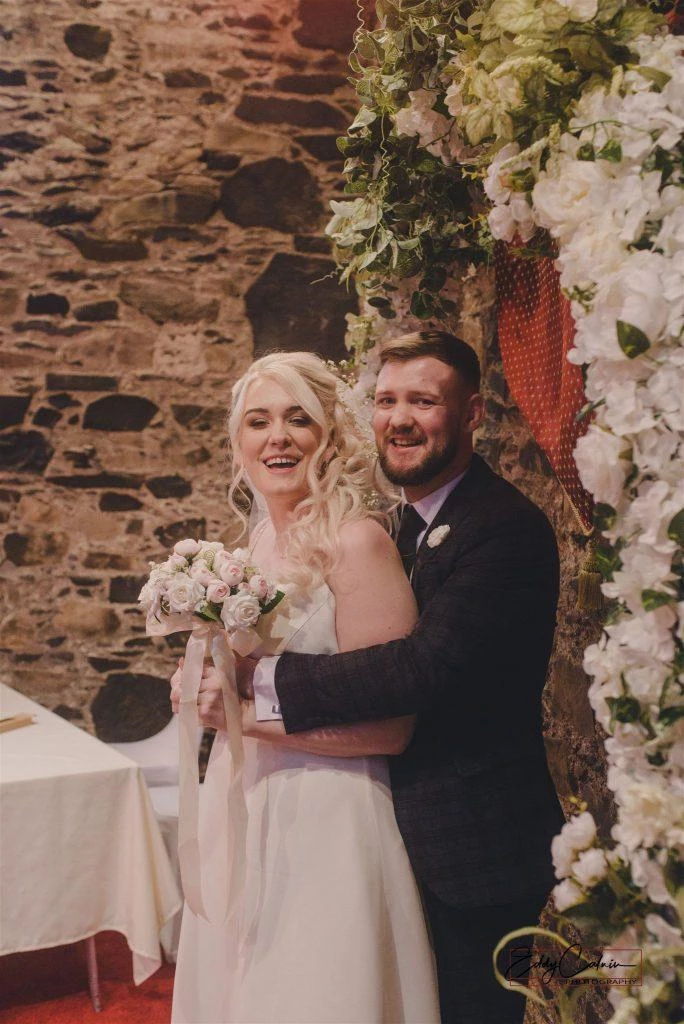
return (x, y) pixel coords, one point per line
(331, 927)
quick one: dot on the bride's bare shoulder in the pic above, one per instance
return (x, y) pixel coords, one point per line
(365, 537)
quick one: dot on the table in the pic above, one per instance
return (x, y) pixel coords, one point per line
(80, 848)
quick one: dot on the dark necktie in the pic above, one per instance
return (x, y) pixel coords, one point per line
(410, 526)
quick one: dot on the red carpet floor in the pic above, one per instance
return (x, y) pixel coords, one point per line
(50, 986)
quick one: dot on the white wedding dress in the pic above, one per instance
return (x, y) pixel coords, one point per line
(330, 930)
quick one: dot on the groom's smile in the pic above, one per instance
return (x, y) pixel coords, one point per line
(422, 423)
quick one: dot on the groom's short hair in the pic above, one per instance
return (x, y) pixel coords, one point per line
(443, 346)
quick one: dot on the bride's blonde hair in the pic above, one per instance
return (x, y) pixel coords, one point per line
(343, 477)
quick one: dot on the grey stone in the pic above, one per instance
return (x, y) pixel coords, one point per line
(112, 501)
(164, 299)
(95, 312)
(21, 142)
(250, 199)
(70, 212)
(13, 409)
(79, 382)
(322, 147)
(186, 78)
(173, 532)
(330, 25)
(87, 41)
(47, 304)
(130, 707)
(95, 481)
(303, 113)
(46, 417)
(119, 413)
(289, 311)
(198, 417)
(107, 664)
(311, 84)
(12, 78)
(187, 206)
(125, 589)
(105, 250)
(169, 486)
(25, 451)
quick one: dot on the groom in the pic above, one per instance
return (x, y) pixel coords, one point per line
(472, 792)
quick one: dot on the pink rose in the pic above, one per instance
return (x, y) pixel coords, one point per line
(202, 574)
(258, 585)
(188, 548)
(217, 592)
(231, 571)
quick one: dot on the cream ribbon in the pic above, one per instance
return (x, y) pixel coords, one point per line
(228, 879)
(227, 882)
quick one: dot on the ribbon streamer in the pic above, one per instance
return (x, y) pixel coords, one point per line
(228, 870)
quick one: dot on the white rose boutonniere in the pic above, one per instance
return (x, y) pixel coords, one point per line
(437, 535)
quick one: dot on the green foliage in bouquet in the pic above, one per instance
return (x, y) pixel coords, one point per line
(443, 86)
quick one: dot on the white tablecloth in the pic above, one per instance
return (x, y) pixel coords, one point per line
(80, 849)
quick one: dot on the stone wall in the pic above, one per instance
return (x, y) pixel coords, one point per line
(165, 172)
(164, 176)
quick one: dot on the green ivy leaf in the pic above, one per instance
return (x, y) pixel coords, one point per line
(652, 599)
(604, 516)
(586, 152)
(612, 151)
(631, 339)
(675, 530)
(668, 716)
(655, 75)
(422, 305)
(270, 605)
(623, 709)
(378, 301)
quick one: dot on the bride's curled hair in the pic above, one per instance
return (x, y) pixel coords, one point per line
(344, 481)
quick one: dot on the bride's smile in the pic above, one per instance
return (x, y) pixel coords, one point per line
(278, 440)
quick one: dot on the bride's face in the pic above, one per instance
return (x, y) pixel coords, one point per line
(278, 440)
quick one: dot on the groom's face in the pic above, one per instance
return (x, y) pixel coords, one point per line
(423, 422)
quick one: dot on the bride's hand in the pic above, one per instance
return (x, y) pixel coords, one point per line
(210, 709)
(176, 687)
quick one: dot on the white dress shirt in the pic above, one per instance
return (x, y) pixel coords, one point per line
(265, 696)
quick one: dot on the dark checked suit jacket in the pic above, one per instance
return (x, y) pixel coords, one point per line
(472, 792)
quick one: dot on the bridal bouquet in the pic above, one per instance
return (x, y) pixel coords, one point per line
(202, 581)
(221, 597)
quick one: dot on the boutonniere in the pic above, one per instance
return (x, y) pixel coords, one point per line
(437, 535)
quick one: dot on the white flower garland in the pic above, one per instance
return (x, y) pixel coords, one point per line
(611, 196)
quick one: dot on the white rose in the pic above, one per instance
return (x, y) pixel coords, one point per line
(601, 468)
(576, 834)
(150, 597)
(666, 934)
(175, 562)
(590, 867)
(258, 585)
(240, 611)
(217, 591)
(567, 894)
(502, 223)
(188, 547)
(580, 10)
(184, 594)
(230, 570)
(201, 573)
(648, 875)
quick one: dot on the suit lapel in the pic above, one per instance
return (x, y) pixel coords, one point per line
(454, 511)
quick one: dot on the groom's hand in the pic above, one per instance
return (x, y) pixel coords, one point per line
(244, 674)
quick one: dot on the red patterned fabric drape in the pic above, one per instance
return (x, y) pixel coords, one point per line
(535, 333)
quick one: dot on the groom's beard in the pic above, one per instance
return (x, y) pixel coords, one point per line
(430, 466)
